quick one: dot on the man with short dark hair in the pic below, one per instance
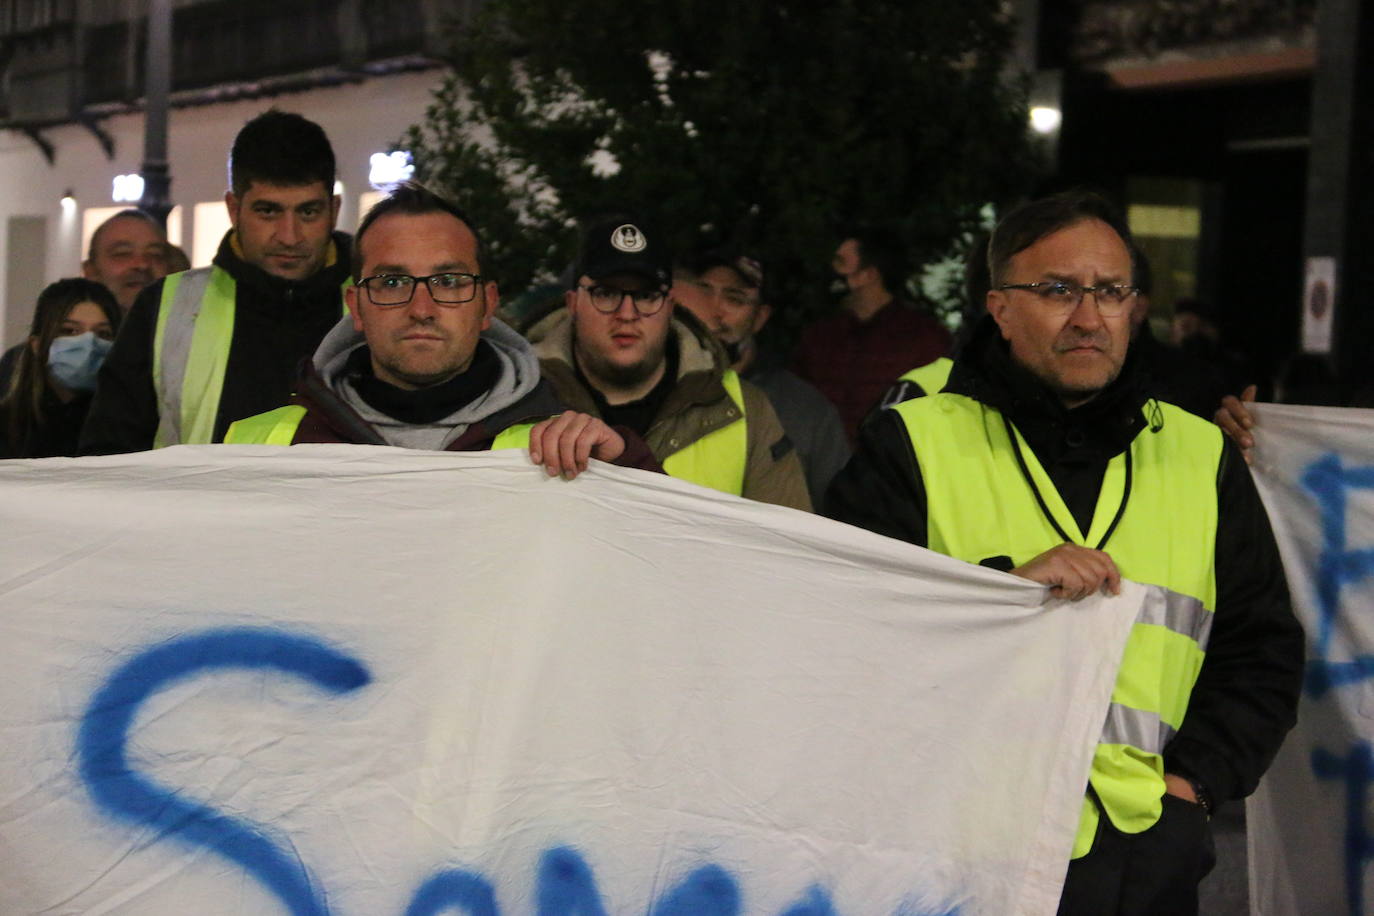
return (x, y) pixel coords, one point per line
(208, 346)
(725, 289)
(852, 356)
(618, 351)
(1045, 456)
(421, 361)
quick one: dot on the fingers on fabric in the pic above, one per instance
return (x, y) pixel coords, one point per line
(1073, 572)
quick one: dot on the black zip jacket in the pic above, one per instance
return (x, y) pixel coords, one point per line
(277, 323)
(1246, 695)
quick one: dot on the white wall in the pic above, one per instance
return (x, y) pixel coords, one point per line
(360, 120)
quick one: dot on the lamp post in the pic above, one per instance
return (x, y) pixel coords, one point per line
(157, 79)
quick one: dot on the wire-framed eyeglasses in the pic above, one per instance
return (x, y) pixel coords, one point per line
(1064, 295)
(398, 289)
(607, 299)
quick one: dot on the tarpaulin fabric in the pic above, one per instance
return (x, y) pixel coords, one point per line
(1310, 838)
(364, 680)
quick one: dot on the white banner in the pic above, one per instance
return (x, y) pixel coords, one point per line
(360, 681)
(1309, 823)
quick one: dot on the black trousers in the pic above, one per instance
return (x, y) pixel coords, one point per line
(1152, 873)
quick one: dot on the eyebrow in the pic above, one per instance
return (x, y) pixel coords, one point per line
(448, 267)
(1065, 278)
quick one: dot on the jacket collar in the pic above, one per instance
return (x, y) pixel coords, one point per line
(326, 281)
(1095, 431)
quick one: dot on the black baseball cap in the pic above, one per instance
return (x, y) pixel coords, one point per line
(625, 244)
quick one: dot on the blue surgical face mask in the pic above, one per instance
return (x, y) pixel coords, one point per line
(74, 361)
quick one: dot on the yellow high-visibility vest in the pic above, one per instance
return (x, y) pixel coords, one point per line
(718, 459)
(1156, 515)
(195, 327)
(932, 376)
(278, 427)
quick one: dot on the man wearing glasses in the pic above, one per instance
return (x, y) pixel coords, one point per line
(420, 361)
(619, 352)
(1045, 456)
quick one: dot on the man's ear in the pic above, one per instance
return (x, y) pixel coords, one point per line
(351, 298)
(231, 203)
(491, 301)
(88, 270)
(761, 318)
(998, 305)
(334, 203)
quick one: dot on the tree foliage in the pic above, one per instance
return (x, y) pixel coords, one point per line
(764, 124)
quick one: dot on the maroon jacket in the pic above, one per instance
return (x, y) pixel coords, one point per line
(854, 362)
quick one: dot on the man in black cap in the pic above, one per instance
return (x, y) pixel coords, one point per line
(619, 352)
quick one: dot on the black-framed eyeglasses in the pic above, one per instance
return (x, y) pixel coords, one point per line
(1065, 295)
(607, 299)
(398, 289)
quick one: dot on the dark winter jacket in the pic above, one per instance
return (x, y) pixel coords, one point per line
(1245, 698)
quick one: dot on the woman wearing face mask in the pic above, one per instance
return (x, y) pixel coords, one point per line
(73, 325)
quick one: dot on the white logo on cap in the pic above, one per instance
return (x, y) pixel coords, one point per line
(628, 238)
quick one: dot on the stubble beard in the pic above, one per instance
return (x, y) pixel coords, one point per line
(617, 375)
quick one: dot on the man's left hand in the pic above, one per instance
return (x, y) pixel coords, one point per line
(563, 444)
(1177, 785)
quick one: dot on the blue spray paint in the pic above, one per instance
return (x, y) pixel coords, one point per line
(119, 790)
(1338, 567)
(566, 886)
(815, 903)
(1330, 483)
(463, 890)
(1357, 772)
(707, 891)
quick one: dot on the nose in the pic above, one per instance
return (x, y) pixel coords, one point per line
(625, 310)
(1086, 314)
(289, 229)
(422, 306)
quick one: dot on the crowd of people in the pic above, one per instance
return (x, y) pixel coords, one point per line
(1062, 442)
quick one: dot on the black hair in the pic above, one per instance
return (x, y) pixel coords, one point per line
(282, 148)
(883, 249)
(413, 198)
(1032, 221)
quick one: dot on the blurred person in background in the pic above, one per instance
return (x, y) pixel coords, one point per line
(856, 353)
(128, 251)
(74, 323)
(727, 291)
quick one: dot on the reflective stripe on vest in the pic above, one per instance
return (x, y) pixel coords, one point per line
(980, 505)
(195, 324)
(719, 458)
(195, 328)
(278, 427)
(932, 377)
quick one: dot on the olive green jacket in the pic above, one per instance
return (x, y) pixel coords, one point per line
(697, 405)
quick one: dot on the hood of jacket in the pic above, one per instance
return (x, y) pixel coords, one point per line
(518, 379)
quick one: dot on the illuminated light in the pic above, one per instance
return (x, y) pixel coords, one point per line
(389, 169)
(128, 188)
(68, 202)
(1045, 120)
(338, 189)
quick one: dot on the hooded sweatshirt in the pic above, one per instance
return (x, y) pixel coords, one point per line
(504, 373)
